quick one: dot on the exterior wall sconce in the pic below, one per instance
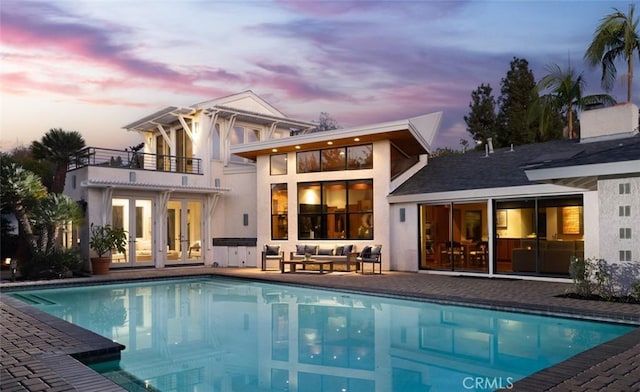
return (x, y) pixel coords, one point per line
(245, 219)
(402, 215)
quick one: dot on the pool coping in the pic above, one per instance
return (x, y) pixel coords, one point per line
(557, 377)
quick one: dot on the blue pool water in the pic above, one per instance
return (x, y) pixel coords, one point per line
(219, 334)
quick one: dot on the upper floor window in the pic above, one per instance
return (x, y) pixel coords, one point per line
(278, 164)
(625, 188)
(624, 210)
(334, 159)
(241, 135)
(215, 154)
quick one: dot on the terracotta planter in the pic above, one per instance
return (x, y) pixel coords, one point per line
(100, 265)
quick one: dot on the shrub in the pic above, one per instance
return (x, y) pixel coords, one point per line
(56, 263)
(581, 271)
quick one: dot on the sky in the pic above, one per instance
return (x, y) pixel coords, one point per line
(93, 66)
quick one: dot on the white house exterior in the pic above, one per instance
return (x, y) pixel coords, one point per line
(216, 182)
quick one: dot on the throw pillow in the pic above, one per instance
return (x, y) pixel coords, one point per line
(340, 251)
(366, 252)
(300, 249)
(325, 251)
(272, 250)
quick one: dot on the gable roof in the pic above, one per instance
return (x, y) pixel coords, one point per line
(523, 165)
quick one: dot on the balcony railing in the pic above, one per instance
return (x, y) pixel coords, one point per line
(119, 159)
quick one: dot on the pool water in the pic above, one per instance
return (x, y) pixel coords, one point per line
(220, 334)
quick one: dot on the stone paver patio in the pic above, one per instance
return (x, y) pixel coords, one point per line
(42, 353)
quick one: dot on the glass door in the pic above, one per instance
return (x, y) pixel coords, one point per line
(184, 231)
(135, 216)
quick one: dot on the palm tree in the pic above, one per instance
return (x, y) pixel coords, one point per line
(56, 146)
(616, 36)
(565, 87)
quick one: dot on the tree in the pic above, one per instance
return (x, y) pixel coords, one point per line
(325, 123)
(56, 146)
(20, 192)
(616, 37)
(481, 121)
(565, 87)
(518, 91)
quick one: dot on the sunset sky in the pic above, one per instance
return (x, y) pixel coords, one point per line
(95, 65)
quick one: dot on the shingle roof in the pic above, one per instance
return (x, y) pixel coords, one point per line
(506, 168)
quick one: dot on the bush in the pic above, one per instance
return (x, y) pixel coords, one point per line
(57, 263)
(580, 271)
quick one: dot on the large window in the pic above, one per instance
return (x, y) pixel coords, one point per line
(454, 236)
(335, 209)
(334, 159)
(279, 217)
(539, 235)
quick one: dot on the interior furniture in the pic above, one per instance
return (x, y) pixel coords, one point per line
(554, 256)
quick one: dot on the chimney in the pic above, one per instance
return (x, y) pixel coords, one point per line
(615, 122)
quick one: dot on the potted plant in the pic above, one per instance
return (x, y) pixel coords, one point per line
(104, 239)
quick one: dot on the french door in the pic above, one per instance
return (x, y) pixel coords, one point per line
(184, 231)
(135, 216)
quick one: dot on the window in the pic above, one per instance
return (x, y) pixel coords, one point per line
(624, 211)
(278, 164)
(360, 157)
(279, 212)
(241, 135)
(536, 232)
(215, 154)
(334, 159)
(308, 161)
(625, 255)
(335, 210)
(625, 233)
(625, 188)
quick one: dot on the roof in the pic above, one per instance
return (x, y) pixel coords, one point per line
(413, 136)
(524, 164)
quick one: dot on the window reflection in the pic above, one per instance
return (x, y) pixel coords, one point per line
(336, 209)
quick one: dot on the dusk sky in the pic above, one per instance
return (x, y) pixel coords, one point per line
(94, 66)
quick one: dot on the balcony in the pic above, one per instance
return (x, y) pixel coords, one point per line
(118, 159)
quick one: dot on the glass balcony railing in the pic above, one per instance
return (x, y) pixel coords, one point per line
(136, 160)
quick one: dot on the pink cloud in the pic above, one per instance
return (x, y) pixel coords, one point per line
(46, 28)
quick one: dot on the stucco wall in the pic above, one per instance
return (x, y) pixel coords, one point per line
(610, 222)
(381, 179)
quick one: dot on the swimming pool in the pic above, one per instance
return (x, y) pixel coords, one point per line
(220, 334)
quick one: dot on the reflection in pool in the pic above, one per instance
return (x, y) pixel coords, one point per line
(219, 334)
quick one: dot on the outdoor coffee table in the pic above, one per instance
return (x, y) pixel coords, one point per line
(294, 263)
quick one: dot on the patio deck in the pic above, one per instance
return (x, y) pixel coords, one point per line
(36, 352)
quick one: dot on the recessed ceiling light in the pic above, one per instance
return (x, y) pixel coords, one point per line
(297, 147)
(330, 143)
(274, 149)
(356, 139)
